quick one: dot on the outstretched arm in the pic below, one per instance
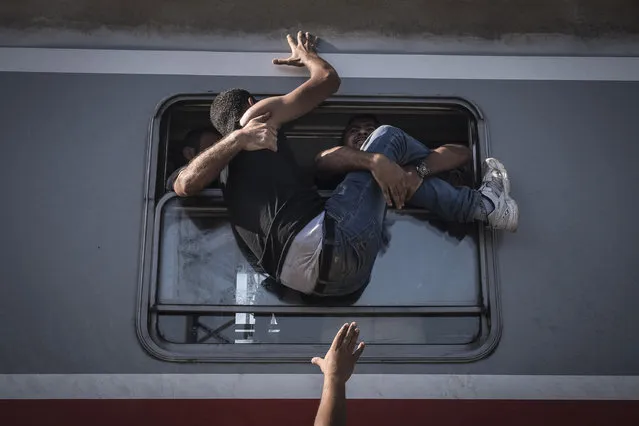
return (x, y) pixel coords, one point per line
(337, 366)
(322, 83)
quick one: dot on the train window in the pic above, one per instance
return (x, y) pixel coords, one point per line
(432, 296)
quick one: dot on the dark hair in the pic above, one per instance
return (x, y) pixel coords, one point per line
(359, 117)
(227, 110)
(192, 138)
(362, 117)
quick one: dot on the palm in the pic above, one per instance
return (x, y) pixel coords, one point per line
(304, 46)
(339, 361)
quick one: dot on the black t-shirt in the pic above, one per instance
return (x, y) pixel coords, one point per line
(269, 203)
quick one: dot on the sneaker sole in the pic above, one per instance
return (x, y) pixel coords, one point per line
(513, 223)
(493, 163)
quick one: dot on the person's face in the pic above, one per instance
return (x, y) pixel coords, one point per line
(206, 141)
(357, 132)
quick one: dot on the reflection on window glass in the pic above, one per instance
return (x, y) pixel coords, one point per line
(200, 263)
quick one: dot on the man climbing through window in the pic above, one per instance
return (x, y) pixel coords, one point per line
(316, 247)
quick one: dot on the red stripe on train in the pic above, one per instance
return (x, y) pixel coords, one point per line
(364, 412)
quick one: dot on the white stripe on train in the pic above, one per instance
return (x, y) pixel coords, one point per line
(305, 386)
(253, 64)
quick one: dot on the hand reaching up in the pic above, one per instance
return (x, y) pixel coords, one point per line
(300, 50)
(339, 361)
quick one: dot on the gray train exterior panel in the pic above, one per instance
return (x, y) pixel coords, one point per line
(74, 154)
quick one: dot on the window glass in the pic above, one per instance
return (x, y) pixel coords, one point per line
(200, 262)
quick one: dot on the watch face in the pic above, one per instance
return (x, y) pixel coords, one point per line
(422, 170)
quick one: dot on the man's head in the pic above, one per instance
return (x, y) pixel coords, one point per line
(198, 140)
(359, 127)
(228, 108)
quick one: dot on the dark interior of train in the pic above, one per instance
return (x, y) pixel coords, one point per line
(426, 288)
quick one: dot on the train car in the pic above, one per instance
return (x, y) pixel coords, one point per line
(122, 303)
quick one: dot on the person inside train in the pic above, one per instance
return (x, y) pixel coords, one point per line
(316, 246)
(337, 366)
(445, 158)
(195, 141)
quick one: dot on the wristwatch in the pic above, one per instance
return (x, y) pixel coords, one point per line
(423, 171)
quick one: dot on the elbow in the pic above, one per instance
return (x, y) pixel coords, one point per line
(332, 80)
(466, 155)
(324, 168)
(320, 161)
(184, 187)
(325, 161)
(336, 82)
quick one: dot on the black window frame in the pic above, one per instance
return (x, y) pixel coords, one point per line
(146, 318)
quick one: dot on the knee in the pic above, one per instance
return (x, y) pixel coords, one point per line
(387, 130)
(382, 137)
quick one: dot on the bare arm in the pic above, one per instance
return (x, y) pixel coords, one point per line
(343, 159)
(332, 409)
(447, 157)
(337, 366)
(206, 167)
(322, 83)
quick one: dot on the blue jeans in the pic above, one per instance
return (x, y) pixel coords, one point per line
(358, 208)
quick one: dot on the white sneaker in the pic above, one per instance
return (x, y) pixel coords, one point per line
(496, 187)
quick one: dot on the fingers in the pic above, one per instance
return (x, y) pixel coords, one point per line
(387, 196)
(359, 350)
(305, 40)
(339, 337)
(310, 42)
(286, 61)
(262, 118)
(271, 137)
(291, 41)
(293, 45)
(396, 194)
(317, 361)
(403, 194)
(351, 338)
(400, 189)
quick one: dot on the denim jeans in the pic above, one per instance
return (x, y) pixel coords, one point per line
(358, 208)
